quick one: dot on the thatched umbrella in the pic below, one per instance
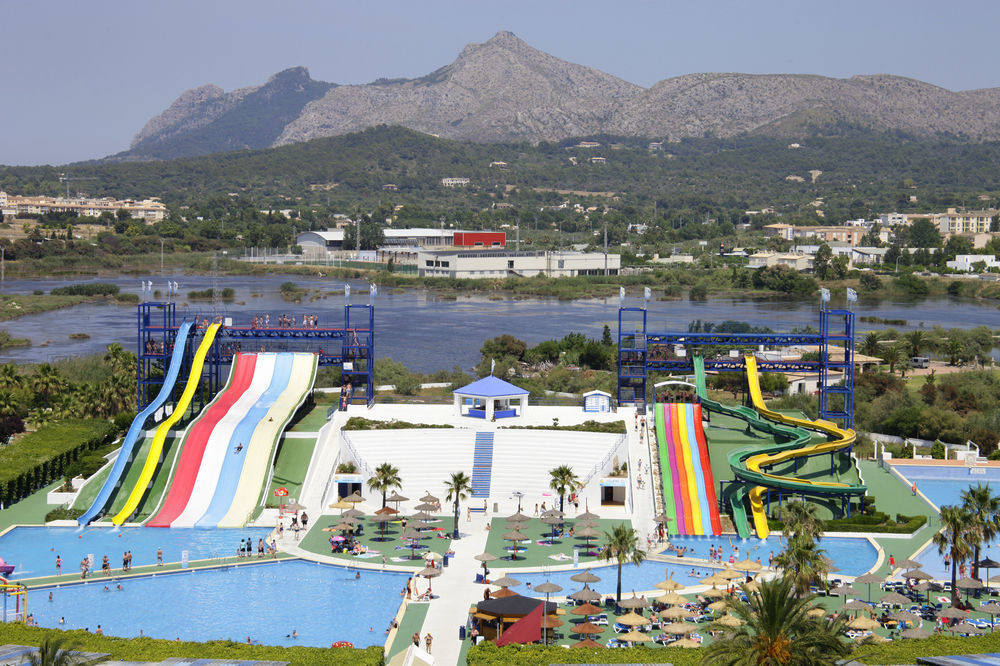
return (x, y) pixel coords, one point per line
(383, 523)
(425, 506)
(895, 599)
(634, 602)
(548, 588)
(714, 593)
(354, 498)
(842, 591)
(728, 574)
(506, 581)
(588, 533)
(396, 497)
(905, 616)
(586, 609)
(868, 579)
(751, 586)
(413, 537)
(586, 628)
(679, 612)
(855, 605)
(680, 628)
(907, 564)
(634, 637)
(341, 504)
(586, 594)
(662, 519)
(517, 518)
(355, 513)
(553, 512)
(917, 574)
(714, 580)
(816, 612)
(967, 629)
(685, 643)
(633, 619)
(747, 565)
(915, 632)
(585, 576)
(992, 609)
(588, 515)
(587, 643)
(928, 586)
(428, 573)
(968, 584)
(863, 623)
(553, 521)
(987, 563)
(714, 606)
(421, 515)
(429, 498)
(671, 599)
(668, 585)
(731, 621)
(514, 536)
(952, 613)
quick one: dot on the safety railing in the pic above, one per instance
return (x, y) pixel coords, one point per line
(595, 470)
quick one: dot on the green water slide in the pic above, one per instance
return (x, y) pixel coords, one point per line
(735, 495)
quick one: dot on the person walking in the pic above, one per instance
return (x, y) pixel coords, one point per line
(427, 642)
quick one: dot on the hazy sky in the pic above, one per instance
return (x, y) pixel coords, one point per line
(79, 78)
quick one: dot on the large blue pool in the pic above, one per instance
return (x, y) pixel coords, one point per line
(266, 602)
(853, 557)
(944, 485)
(33, 550)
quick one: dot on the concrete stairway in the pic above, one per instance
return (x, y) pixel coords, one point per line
(482, 465)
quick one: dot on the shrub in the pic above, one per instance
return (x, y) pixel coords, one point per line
(62, 513)
(92, 289)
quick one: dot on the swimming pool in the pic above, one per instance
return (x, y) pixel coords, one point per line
(944, 485)
(33, 550)
(263, 601)
(852, 556)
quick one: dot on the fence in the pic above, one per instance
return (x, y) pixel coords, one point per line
(595, 470)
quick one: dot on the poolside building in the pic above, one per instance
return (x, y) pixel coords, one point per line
(490, 398)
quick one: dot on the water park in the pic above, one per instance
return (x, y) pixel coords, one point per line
(292, 516)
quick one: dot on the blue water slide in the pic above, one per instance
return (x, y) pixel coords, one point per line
(699, 473)
(138, 427)
(232, 466)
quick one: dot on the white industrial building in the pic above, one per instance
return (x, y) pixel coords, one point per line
(502, 263)
(966, 262)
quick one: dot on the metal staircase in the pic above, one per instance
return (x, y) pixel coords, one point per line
(482, 465)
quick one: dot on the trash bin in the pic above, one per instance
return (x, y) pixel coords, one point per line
(461, 633)
(446, 558)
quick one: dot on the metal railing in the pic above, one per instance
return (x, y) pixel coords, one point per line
(595, 470)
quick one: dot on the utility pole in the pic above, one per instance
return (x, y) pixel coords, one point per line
(518, 234)
(161, 256)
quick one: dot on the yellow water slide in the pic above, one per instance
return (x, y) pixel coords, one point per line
(153, 457)
(839, 439)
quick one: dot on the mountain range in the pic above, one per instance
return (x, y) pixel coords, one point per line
(504, 90)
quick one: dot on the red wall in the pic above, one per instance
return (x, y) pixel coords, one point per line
(484, 238)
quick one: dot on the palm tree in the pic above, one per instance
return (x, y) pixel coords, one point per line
(54, 651)
(776, 630)
(955, 349)
(957, 539)
(8, 403)
(9, 377)
(870, 345)
(802, 560)
(386, 477)
(622, 543)
(563, 481)
(984, 507)
(801, 519)
(46, 383)
(892, 355)
(458, 487)
(916, 341)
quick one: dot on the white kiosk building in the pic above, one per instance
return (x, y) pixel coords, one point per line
(490, 398)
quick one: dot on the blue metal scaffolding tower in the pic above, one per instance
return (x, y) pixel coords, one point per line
(641, 351)
(351, 346)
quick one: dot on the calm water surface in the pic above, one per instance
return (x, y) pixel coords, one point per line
(428, 333)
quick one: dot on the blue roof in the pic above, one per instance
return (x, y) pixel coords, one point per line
(491, 387)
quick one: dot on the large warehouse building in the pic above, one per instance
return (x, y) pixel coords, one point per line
(502, 263)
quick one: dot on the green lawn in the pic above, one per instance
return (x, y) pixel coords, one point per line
(290, 467)
(537, 555)
(316, 540)
(413, 620)
(312, 420)
(29, 511)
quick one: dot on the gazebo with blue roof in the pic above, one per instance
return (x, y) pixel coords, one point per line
(490, 398)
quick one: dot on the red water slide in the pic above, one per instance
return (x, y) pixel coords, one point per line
(186, 469)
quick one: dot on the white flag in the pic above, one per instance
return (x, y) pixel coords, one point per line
(621, 296)
(824, 294)
(647, 293)
(374, 289)
(852, 296)
(347, 291)
(493, 364)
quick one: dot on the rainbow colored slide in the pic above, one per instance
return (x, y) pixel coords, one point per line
(156, 449)
(688, 488)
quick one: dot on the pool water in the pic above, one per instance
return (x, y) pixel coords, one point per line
(33, 550)
(944, 485)
(852, 556)
(265, 601)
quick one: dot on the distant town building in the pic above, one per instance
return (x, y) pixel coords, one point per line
(498, 165)
(501, 264)
(148, 210)
(390, 187)
(598, 160)
(588, 144)
(967, 262)
(454, 182)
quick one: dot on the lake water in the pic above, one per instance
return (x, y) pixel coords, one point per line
(411, 324)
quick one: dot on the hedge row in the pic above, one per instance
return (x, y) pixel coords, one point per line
(41, 457)
(613, 427)
(896, 652)
(361, 423)
(878, 523)
(152, 649)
